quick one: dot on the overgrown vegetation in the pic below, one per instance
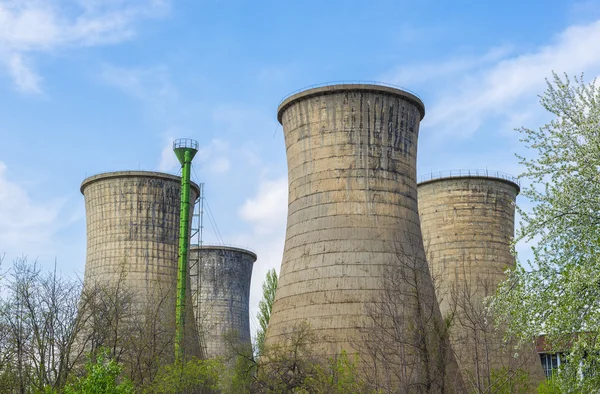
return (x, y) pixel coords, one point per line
(265, 306)
(557, 292)
(103, 375)
(48, 324)
(57, 338)
(50, 327)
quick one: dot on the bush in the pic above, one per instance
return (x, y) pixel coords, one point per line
(102, 377)
(194, 376)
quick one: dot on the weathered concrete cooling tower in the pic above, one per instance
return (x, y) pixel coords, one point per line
(132, 245)
(352, 223)
(468, 224)
(220, 277)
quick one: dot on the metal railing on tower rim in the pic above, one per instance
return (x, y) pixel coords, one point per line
(467, 173)
(348, 82)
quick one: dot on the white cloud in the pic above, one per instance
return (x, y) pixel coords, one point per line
(502, 87)
(267, 211)
(36, 26)
(212, 158)
(150, 84)
(219, 165)
(238, 119)
(26, 80)
(433, 72)
(168, 160)
(25, 224)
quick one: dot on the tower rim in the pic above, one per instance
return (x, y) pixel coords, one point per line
(133, 174)
(334, 87)
(441, 176)
(225, 247)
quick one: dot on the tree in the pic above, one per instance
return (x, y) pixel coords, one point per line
(488, 364)
(102, 377)
(265, 306)
(192, 376)
(405, 344)
(558, 291)
(130, 324)
(38, 325)
(291, 366)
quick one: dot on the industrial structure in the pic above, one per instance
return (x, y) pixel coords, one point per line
(133, 228)
(221, 280)
(185, 149)
(352, 225)
(467, 220)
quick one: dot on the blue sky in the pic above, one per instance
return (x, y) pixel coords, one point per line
(89, 86)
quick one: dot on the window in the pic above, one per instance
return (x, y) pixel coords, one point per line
(550, 362)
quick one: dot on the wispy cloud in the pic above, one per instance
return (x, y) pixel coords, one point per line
(151, 84)
(168, 161)
(25, 79)
(25, 224)
(432, 72)
(501, 85)
(212, 158)
(238, 119)
(266, 212)
(30, 27)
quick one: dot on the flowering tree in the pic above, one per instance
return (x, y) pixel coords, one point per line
(558, 293)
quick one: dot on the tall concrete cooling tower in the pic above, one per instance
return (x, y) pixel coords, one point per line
(467, 219)
(220, 277)
(352, 225)
(132, 245)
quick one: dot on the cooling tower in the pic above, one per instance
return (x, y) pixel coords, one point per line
(468, 224)
(132, 246)
(220, 277)
(352, 225)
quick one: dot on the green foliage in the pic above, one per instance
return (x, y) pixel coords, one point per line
(241, 366)
(558, 291)
(292, 367)
(194, 376)
(508, 381)
(337, 376)
(242, 375)
(285, 366)
(102, 377)
(265, 306)
(550, 386)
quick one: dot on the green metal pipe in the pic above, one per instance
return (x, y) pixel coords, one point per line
(185, 156)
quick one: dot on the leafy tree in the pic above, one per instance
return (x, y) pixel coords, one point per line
(102, 377)
(243, 371)
(550, 386)
(507, 380)
(286, 366)
(265, 306)
(194, 376)
(241, 365)
(559, 292)
(338, 376)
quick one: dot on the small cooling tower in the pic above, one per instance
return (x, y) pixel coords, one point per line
(468, 224)
(220, 277)
(352, 227)
(132, 246)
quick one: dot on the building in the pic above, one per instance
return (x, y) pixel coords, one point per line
(220, 280)
(353, 224)
(130, 279)
(467, 219)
